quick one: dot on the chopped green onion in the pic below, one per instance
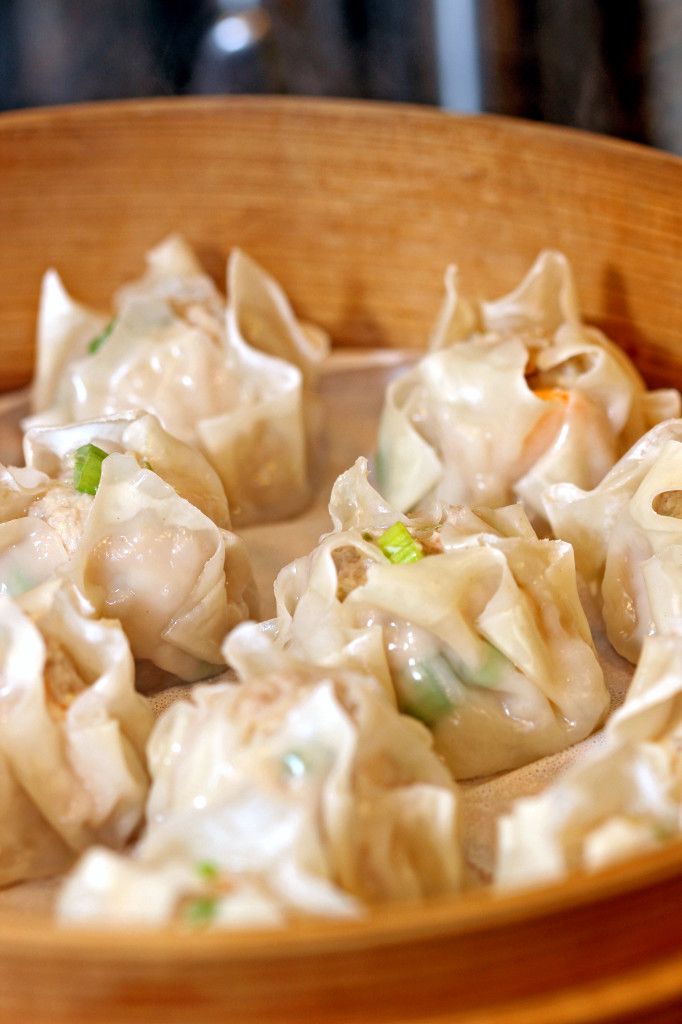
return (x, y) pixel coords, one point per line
(422, 689)
(17, 582)
(295, 764)
(207, 870)
(399, 546)
(491, 669)
(97, 342)
(201, 910)
(87, 468)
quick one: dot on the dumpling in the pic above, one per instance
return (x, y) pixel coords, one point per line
(31, 552)
(176, 582)
(226, 380)
(515, 395)
(300, 791)
(72, 733)
(136, 550)
(625, 797)
(51, 451)
(627, 535)
(466, 616)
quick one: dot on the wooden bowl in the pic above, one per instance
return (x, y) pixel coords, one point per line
(357, 208)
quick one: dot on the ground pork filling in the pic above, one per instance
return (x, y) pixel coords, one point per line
(63, 681)
(351, 569)
(668, 503)
(66, 511)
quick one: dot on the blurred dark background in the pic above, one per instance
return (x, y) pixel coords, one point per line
(612, 66)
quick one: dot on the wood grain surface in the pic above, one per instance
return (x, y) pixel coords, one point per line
(357, 209)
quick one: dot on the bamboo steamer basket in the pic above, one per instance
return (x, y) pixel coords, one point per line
(357, 208)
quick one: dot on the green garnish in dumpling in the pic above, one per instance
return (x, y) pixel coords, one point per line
(87, 468)
(99, 339)
(399, 546)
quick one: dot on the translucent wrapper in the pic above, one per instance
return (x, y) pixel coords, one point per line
(623, 798)
(228, 380)
(484, 639)
(572, 401)
(72, 733)
(50, 450)
(136, 550)
(300, 791)
(175, 580)
(627, 535)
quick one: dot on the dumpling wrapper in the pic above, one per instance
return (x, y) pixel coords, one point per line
(303, 789)
(176, 351)
(260, 314)
(485, 640)
(65, 329)
(19, 487)
(624, 798)
(31, 552)
(72, 734)
(176, 581)
(573, 402)
(627, 535)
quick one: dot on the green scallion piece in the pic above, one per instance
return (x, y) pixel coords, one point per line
(207, 870)
(97, 342)
(422, 690)
(87, 468)
(201, 910)
(16, 582)
(295, 764)
(399, 546)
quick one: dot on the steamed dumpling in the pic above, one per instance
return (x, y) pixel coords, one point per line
(51, 450)
(481, 635)
(299, 791)
(625, 797)
(226, 380)
(627, 535)
(176, 582)
(136, 550)
(516, 394)
(72, 733)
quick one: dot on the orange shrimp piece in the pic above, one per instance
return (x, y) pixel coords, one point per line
(553, 395)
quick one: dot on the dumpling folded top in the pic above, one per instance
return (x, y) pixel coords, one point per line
(300, 791)
(72, 733)
(516, 394)
(625, 797)
(627, 536)
(135, 549)
(228, 381)
(465, 615)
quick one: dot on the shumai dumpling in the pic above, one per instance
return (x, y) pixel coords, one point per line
(72, 733)
(51, 450)
(225, 379)
(299, 791)
(465, 615)
(625, 797)
(515, 394)
(136, 550)
(627, 535)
